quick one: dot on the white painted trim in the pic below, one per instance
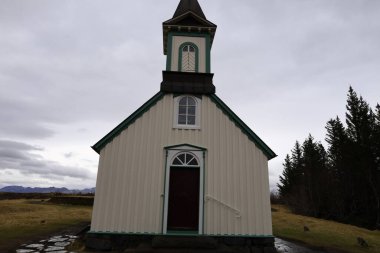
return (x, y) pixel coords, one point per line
(198, 103)
(172, 153)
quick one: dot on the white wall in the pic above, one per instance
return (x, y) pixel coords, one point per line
(130, 184)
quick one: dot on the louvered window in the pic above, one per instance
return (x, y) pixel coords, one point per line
(188, 59)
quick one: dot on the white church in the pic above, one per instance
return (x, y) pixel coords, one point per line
(183, 163)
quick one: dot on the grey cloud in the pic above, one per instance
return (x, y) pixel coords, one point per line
(68, 62)
(22, 118)
(69, 155)
(16, 156)
(7, 144)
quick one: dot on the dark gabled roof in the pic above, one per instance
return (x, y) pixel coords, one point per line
(243, 127)
(123, 125)
(189, 13)
(219, 103)
(189, 5)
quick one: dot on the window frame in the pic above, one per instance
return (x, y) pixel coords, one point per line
(171, 152)
(197, 124)
(180, 49)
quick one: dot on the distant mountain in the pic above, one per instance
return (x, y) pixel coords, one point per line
(21, 189)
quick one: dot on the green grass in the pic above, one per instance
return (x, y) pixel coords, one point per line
(22, 220)
(323, 234)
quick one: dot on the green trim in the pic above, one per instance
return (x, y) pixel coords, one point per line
(177, 232)
(204, 190)
(245, 129)
(185, 144)
(163, 206)
(169, 52)
(208, 54)
(125, 124)
(196, 56)
(161, 234)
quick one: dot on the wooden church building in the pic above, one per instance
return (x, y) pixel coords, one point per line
(183, 163)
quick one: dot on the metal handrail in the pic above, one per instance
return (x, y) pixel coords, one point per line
(236, 211)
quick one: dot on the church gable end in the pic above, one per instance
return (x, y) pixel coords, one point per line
(215, 99)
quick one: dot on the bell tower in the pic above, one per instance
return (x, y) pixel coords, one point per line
(188, 37)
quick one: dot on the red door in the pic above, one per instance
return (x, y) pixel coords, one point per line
(183, 208)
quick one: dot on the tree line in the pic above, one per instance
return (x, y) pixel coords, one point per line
(340, 182)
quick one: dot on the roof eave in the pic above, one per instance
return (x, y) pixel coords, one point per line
(123, 125)
(172, 20)
(245, 129)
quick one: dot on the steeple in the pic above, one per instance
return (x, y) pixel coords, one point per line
(189, 5)
(188, 17)
(188, 37)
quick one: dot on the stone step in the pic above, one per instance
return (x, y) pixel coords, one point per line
(146, 248)
(189, 242)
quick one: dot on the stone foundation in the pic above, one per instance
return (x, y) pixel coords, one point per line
(169, 243)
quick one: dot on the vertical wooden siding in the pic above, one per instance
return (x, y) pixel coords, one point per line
(130, 185)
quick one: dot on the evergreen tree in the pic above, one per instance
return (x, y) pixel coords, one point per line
(291, 182)
(298, 170)
(286, 179)
(339, 173)
(315, 177)
(376, 151)
(344, 182)
(360, 129)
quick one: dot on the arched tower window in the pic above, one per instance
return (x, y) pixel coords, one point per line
(188, 60)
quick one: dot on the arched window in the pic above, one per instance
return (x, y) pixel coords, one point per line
(187, 112)
(185, 159)
(188, 58)
(187, 109)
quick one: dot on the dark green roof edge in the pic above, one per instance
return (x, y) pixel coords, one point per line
(239, 123)
(146, 106)
(123, 125)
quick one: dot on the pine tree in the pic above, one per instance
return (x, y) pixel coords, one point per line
(339, 170)
(344, 182)
(291, 182)
(376, 151)
(315, 177)
(360, 129)
(286, 183)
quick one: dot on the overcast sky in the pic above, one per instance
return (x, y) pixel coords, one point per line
(71, 70)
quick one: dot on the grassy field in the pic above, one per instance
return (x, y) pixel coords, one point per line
(22, 220)
(323, 234)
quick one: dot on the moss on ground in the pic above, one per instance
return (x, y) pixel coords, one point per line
(322, 233)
